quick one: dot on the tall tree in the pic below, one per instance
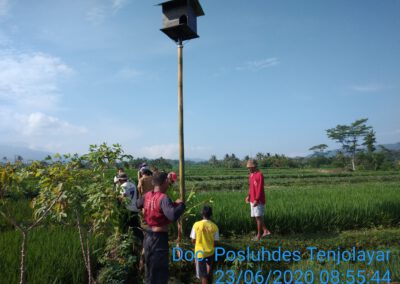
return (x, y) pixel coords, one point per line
(349, 135)
(319, 149)
(213, 161)
(369, 141)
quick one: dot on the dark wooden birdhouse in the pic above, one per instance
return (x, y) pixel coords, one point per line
(180, 19)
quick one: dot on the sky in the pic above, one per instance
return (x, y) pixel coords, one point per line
(264, 76)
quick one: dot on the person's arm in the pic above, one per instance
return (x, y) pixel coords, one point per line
(193, 235)
(140, 202)
(259, 188)
(140, 186)
(247, 199)
(126, 192)
(216, 238)
(170, 211)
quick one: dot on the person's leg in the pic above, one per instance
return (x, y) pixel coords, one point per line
(201, 271)
(259, 226)
(134, 223)
(147, 253)
(266, 232)
(158, 266)
(210, 269)
(253, 214)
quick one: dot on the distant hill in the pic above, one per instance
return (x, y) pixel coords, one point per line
(393, 147)
(10, 152)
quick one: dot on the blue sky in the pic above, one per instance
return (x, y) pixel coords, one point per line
(264, 76)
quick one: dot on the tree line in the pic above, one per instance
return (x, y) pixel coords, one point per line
(358, 151)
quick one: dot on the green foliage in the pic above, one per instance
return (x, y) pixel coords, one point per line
(319, 149)
(10, 181)
(88, 194)
(161, 164)
(276, 161)
(193, 202)
(231, 161)
(341, 161)
(101, 157)
(319, 160)
(369, 141)
(378, 160)
(71, 195)
(298, 201)
(213, 161)
(349, 135)
(119, 262)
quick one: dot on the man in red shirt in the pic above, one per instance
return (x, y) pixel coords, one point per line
(256, 197)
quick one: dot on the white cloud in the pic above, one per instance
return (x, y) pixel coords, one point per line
(36, 130)
(128, 74)
(171, 151)
(165, 151)
(4, 7)
(30, 80)
(118, 4)
(29, 89)
(39, 124)
(101, 10)
(369, 88)
(96, 15)
(5, 40)
(258, 64)
(221, 71)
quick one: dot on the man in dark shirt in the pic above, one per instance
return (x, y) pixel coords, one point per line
(159, 212)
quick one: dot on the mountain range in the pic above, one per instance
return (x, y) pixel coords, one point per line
(11, 153)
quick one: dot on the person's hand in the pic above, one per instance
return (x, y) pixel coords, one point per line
(178, 201)
(247, 200)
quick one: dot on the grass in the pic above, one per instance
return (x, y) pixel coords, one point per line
(312, 209)
(363, 240)
(53, 256)
(304, 207)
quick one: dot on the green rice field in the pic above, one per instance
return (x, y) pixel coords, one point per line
(328, 209)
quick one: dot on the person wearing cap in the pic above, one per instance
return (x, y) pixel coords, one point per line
(120, 171)
(172, 177)
(145, 183)
(142, 166)
(159, 212)
(129, 194)
(256, 198)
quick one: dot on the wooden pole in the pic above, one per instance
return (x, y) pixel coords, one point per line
(181, 140)
(180, 110)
